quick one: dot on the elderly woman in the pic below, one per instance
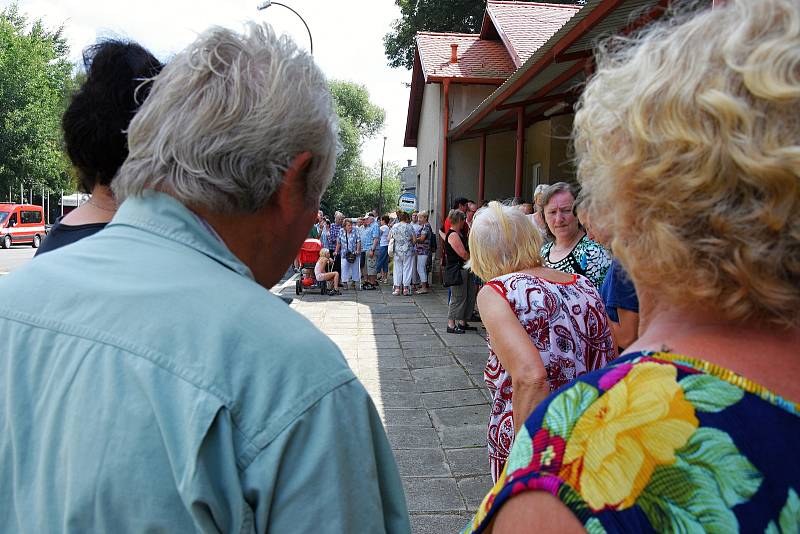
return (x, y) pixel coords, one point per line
(688, 146)
(544, 327)
(424, 237)
(456, 276)
(404, 240)
(348, 248)
(571, 250)
(95, 132)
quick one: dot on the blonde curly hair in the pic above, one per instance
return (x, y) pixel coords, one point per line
(687, 141)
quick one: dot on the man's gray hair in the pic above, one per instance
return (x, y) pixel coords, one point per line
(225, 119)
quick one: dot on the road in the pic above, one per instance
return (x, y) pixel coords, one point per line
(15, 257)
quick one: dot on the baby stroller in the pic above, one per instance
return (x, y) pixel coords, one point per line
(308, 256)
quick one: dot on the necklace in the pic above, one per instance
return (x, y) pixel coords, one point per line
(98, 206)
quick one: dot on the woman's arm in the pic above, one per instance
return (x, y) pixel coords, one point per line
(627, 330)
(535, 511)
(455, 241)
(516, 352)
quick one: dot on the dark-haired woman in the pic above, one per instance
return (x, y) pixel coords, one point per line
(117, 75)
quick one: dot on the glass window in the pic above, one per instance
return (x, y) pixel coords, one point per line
(31, 217)
(3, 216)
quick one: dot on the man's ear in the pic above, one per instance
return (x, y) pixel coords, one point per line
(293, 189)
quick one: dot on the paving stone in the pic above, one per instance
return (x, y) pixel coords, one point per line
(464, 436)
(441, 378)
(454, 398)
(474, 489)
(422, 463)
(424, 344)
(429, 361)
(470, 339)
(380, 372)
(415, 328)
(378, 344)
(394, 386)
(412, 437)
(407, 417)
(474, 363)
(432, 494)
(439, 523)
(460, 416)
(383, 352)
(468, 462)
(401, 400)
(408, 320)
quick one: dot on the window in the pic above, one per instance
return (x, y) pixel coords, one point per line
(31, 217)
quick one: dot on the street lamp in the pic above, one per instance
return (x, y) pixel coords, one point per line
(264, 5)
(380, 199)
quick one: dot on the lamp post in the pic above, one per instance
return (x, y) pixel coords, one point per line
(380, 199)
(264, 5)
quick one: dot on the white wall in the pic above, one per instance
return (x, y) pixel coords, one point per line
(429, 150)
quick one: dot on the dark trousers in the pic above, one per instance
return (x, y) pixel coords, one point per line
(337, 264)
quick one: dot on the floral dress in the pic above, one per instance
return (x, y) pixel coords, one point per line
(403, 236)
(587, 258)
(567, 322)
(657, 442)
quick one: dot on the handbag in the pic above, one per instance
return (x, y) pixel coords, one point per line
(452, 275)
(349, 256)
(391, 247)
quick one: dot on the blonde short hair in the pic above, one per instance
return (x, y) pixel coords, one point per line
(688, 143)
(502, 240)
(324, 253)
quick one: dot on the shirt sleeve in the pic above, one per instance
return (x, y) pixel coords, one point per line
(331, 470)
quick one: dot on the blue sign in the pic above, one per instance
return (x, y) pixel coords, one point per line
(408, 202)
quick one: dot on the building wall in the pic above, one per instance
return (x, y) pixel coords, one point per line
(537, 150)
(465, 98)
(561, 167)
(429, 147)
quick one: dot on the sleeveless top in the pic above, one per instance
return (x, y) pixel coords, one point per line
(567, 323)
(451, 256)
(587, 258)
(658, 442)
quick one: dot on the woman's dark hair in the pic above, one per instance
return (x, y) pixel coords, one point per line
(385, 219)
(403, 217)
(96, 121)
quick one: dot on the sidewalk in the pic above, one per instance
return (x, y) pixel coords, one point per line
(428, 387)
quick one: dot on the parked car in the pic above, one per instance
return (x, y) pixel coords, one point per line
(21, 223)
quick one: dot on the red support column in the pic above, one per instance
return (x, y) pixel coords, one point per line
(520, 151)
(445, 130)
(482, 171)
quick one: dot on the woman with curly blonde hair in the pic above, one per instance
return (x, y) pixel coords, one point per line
(545, 327)
(688, 146)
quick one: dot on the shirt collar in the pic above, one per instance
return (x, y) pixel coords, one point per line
(162, 215)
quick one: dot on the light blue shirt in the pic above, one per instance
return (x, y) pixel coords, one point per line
(147, 383)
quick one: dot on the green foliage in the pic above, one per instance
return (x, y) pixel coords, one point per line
(355, 189)
(432, 15)
(710, 394)
(566, 408)
(35, 80)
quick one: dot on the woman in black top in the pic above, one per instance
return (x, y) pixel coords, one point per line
(462, 290)
(117, 83)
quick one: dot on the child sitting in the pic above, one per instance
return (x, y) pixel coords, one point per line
(321, 272)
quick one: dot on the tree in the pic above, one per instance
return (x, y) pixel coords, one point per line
(359, 119)
(35, 79)
(433, 15)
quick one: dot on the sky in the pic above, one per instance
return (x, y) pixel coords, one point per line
(348, 41)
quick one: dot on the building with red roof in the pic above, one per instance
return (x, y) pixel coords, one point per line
(491, 113)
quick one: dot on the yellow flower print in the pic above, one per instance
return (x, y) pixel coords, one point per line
(618, 442)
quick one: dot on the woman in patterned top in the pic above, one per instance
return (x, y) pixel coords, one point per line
(688, 147)
(544, 327)
(571, 250)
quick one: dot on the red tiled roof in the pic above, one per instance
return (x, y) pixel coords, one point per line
(476, 58)
(525, 26)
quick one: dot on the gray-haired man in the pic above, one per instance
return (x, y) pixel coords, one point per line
(151, 382)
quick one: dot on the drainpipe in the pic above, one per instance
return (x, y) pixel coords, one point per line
(520, 151)
(445, 130)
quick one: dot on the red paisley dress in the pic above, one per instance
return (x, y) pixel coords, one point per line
(567, 323)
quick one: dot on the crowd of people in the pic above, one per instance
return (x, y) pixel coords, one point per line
(359, 251)
(151, 382)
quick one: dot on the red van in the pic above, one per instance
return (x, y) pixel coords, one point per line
(21, 223)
